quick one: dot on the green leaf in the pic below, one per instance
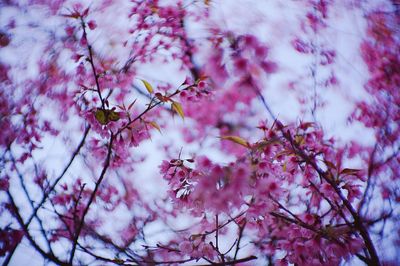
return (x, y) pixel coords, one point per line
(101, 116)
(118, 261)
(264, 143)
(348, 171)
(155, 125)
(299, 139)
(130, 106)
(177, 107)
(330, 165)
(148, 86)
(113, 116)
(237, 140)
(104, 116)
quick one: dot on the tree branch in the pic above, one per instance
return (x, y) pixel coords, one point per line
(91, 199)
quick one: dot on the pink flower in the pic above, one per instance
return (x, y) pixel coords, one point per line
(92, 24)
(4, 184)
(208, 251)
(186, 247)
(69, 30)
(301, 46)
(240, 65)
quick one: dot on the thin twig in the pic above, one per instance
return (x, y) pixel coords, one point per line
(92, 197)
